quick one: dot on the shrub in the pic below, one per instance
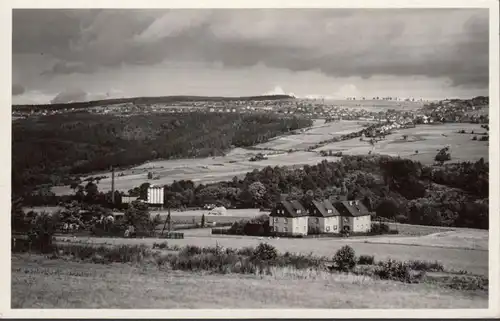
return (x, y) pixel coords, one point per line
(104, 254)
(190, 250)
(467, 283)
(265, 252)
(379, 228)
(398, 271)
(345, 259)
(425, 266)
(163, 245)
(366, 260)
(246, 251)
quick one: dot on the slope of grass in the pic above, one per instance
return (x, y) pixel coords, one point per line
(41, 283)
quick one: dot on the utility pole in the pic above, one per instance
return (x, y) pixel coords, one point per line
(113, 186)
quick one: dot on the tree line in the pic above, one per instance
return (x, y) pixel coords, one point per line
(395, 188)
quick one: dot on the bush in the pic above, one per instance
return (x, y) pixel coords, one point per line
(467, 283)
(379, 228)
(366, 260)
(104, 254)
(163, 245)
(246, 251)
(345, 259)
(265, 252)
(398, 271)
(190, 250)
(425, 266)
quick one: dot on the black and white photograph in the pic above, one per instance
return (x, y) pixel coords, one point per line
(266, 157)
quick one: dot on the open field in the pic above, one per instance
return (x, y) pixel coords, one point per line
(203, 170)
(460, 250)
(313, 135)
(41, 283)
(376, 105)
(427, 139)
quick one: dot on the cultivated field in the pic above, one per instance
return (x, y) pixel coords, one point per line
(376, 105)
(41, 283)
(427, 139)
(462, 249)
(313, 135)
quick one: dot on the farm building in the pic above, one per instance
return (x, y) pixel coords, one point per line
(328, 216)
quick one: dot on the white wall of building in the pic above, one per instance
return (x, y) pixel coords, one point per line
(155, 195)
(299, 225)
(362, 223)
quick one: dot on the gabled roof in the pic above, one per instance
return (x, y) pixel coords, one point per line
(291, 208)
(323, 207)
(346, 209)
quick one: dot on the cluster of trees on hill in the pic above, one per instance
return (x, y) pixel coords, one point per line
(398, 189)
(53, 149)
(146, 100)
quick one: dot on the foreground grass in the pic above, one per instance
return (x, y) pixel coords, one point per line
(38, 282)
(474, 261)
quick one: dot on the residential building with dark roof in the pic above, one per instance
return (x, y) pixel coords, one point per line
(323, 217)
(289, 217)
(355, 217)
(332, 215)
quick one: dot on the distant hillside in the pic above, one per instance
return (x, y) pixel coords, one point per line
(147, 100)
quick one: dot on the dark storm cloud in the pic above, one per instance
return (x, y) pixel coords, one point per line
(18, 89)
(340, 43)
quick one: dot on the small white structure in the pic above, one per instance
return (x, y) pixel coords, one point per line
(221, 210)
(128, 199)
(156, 195)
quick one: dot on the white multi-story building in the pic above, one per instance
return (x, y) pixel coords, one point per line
(156, 195)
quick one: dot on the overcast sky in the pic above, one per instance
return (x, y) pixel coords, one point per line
(66, 55)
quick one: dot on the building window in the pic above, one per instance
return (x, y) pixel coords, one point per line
(275, 220)
(284, 229)
(285, 220)
(335, 227)
(317, 220)
(328, 228)
(299, 211)
(329, 211)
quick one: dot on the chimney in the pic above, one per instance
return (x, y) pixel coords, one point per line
(112, 185)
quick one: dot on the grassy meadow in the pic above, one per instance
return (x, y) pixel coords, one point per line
(38, 282)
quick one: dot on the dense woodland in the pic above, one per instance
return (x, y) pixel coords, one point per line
(54, 149)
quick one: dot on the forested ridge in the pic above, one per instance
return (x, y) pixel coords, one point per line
(53, 149)
(146, 100)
